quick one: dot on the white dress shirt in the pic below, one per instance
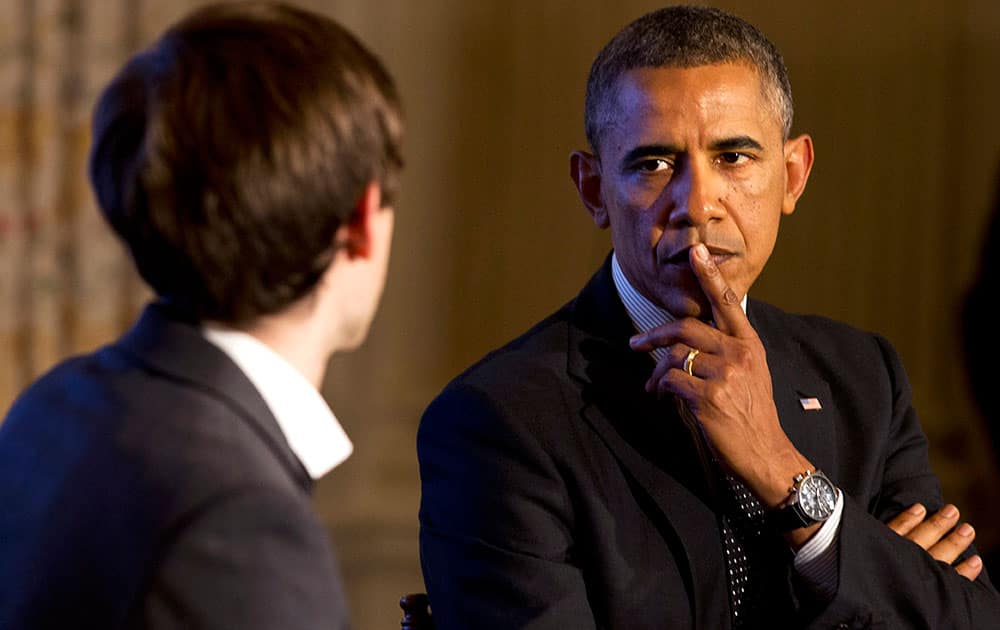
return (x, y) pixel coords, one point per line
(309, 426)
(816, 561)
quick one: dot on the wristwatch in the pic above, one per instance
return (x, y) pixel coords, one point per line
(810, 500)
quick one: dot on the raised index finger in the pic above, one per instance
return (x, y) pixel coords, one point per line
(726, 310)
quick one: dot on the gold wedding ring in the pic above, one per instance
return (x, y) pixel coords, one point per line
(689, 360)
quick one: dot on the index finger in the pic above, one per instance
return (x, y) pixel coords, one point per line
(726, 309)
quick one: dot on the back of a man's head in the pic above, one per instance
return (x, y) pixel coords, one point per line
(684, 37)
(228, 153)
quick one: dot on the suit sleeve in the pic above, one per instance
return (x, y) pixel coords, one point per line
(496, 533)
(256, 559)
(885, 580)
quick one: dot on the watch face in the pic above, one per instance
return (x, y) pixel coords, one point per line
(817, 497)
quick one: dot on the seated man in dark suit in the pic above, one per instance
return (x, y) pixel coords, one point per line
(664, 452)
(248, 159)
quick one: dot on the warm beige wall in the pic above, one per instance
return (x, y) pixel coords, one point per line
(899, 95)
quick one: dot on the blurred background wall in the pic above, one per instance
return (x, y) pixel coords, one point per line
(900, 96)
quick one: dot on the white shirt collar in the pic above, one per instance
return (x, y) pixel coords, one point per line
(644, 314)
(309, 426)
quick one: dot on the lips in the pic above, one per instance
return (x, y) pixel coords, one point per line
(682, 255)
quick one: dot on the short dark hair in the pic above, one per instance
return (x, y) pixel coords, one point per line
(684, 37)
(228, 153)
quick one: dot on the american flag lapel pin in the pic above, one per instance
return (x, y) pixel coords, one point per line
(810, 404)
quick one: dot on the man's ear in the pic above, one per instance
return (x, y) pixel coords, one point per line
(798, 164)
(585, 171)
(355, 236)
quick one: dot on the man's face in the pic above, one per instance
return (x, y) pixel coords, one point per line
(692, 155)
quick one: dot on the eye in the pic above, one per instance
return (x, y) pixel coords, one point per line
(734, 157)
(652, 165)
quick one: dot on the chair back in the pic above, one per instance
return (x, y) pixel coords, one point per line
(416, 612)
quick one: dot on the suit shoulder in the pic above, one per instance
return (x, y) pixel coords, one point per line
(111, 415)
(826, 344)
(809, 328)
(541, 349)
(525, 381)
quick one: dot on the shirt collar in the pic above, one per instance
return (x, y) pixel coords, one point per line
(309, 426)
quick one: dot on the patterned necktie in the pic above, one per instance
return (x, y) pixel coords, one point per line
(742, 525)
(742, 531)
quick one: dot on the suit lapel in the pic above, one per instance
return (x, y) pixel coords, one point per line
(167, 344)
(798, 390)
(649, 442)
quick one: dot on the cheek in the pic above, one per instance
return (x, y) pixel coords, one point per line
(760, 231)
(630, 228)
(633, 217)
(757, 212)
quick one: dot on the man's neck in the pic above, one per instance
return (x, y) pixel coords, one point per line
(297, 336)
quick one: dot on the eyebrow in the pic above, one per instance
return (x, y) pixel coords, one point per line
(648, 150)
(734, 143)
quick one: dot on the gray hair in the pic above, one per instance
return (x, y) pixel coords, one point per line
(684, 37)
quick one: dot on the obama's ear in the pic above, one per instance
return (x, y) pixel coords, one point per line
(798, 163)
(585, 171)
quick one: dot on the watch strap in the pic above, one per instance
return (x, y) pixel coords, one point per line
(788, 518)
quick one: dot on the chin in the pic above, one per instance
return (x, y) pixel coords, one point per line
(681, 306)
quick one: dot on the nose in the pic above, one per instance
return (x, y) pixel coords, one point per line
(693, 195)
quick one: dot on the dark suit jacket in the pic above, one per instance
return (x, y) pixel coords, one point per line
(557, 494)
(148, 485)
